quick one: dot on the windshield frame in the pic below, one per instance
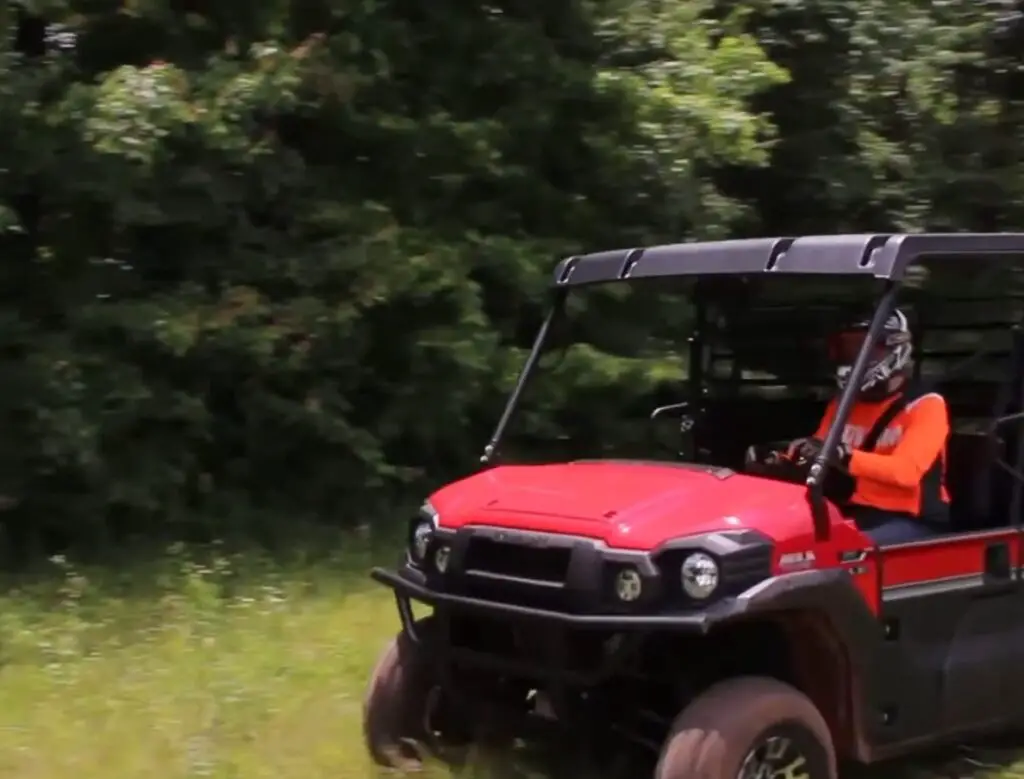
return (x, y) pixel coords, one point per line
(818, 469)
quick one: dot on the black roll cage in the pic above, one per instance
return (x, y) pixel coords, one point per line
(884, 257)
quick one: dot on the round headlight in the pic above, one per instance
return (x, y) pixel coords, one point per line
(628, 585)
(699, 575)
(420, 541)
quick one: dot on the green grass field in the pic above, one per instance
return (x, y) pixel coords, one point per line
(239, 667)
(236, 668)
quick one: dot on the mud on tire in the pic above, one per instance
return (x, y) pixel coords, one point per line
(396, 704)
(737, 726)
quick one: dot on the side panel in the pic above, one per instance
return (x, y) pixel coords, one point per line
(953, 614)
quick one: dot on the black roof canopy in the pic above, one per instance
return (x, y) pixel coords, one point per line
(858, 255)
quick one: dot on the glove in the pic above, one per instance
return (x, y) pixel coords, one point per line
(804, 447)
(753, 455)
(842, 455)
(810, 448)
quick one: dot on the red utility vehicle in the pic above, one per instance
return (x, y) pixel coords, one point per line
(730, 617)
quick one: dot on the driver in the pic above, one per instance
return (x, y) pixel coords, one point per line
(899, 491)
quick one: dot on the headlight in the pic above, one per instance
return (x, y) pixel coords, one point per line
(421, 530)
(419, 541)
(699, 574)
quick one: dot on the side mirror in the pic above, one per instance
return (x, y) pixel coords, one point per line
(676, 438)
(661, 411)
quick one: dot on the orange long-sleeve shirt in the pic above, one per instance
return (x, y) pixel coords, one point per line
(906, 471)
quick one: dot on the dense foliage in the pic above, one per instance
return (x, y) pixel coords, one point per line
(283, 258)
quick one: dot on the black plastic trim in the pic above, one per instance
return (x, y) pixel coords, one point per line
(404, 585)
(879, 256)
(832, 590)
(583, 583)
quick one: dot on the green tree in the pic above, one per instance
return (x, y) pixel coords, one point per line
(287, 255)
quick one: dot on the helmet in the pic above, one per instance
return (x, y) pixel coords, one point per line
(889, 362)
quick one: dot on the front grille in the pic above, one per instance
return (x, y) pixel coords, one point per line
(517, 561)
(516, 592)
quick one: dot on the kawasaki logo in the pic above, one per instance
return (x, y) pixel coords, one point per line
(523, 539)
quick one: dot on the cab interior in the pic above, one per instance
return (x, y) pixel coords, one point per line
(760, 387)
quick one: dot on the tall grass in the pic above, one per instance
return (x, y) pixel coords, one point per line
(224, 665)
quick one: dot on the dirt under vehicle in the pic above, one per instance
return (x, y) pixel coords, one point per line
(736, 622)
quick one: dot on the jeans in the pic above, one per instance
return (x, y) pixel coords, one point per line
(900, 530)
(885, 529)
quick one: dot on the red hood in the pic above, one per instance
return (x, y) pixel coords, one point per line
(635, 505)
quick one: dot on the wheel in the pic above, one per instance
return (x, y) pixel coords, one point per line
(398, 704)
(749, 728)
(396, 699)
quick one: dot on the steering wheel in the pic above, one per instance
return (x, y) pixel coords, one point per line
(770, 460)
(807, 454)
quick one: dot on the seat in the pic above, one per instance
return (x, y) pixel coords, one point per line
(981, 490)
(971, 480)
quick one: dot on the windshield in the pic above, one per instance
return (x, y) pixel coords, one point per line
(627, 349)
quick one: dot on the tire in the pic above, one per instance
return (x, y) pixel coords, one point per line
(738, 723)
(395, 705)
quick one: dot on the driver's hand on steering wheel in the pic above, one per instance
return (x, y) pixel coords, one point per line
(764, 456)
(805, 448)
(810, 448)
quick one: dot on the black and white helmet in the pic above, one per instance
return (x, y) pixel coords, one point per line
(890, 357)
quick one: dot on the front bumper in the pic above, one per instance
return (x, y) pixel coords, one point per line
(410, 584)
(544, 605)
(569, 579)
